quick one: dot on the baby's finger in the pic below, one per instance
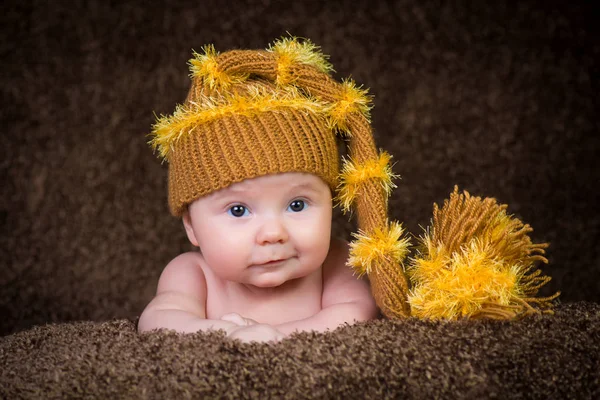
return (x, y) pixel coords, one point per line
(250, 322)
(235, 318)
(257, 333)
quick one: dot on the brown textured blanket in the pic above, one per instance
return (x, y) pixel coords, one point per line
(548, 357)
(499, 98)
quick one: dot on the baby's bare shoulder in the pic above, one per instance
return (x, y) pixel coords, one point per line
(183, 274)
(340, 282)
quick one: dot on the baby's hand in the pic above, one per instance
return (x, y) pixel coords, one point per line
(238, 319)
(257, 333)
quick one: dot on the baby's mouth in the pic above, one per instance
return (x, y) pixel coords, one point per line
(272, 263)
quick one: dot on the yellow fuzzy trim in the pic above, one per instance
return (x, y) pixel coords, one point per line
(383, 245)
(476, 262)
(169, 129)
(353, 176)
(353, 99)
(290, 51)
(204, 65)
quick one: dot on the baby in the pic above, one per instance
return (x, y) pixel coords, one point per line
(253, 163)
(266, 266)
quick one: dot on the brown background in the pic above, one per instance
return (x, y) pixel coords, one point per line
(500, 99)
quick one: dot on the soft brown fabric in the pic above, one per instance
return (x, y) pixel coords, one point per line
(497, 97)
(547, 357)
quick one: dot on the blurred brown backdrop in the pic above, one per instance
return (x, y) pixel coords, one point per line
(499, 98)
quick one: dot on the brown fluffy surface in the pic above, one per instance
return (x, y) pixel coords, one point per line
(546, 357)
(497, 97)
(541, 357)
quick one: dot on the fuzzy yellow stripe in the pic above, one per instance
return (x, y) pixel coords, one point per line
(284, 62)
(205, 66)
(290, 50)
(353, 176)
(383, 245)
(169, 129)
(353, 99)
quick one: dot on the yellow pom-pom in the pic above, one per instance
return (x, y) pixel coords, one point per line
(476, 262)
(353, 99)
(382, 245)
(462, 283)
(353, 177)
(205, 66)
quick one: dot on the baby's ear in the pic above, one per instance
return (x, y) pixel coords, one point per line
(189, 230)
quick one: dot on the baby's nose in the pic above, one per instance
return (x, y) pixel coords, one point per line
(272, 230)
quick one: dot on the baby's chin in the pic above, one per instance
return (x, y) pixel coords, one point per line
(276, 279)
(269, 282)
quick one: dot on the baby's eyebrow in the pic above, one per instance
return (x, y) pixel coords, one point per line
(241, 190)
(230, 192)
(304, 186)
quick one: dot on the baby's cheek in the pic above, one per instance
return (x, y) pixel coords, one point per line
(221, 254)
(316, 241)
(224, 265)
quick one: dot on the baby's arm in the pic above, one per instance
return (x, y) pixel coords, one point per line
(180, 301)
(346, 298)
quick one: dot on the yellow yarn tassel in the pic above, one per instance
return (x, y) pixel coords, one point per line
(353, 99)
(384, 244)
(204, 65)
(353, 176)
(475, 262)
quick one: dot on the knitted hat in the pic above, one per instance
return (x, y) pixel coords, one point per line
(251, 113)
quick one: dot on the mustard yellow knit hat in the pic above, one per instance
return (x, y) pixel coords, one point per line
(251, 113)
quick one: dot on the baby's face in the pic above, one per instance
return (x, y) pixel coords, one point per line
(264, 231)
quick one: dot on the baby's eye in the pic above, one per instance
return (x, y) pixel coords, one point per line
(297, 205)
(238, 211)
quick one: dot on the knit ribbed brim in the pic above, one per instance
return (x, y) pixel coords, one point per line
(238, 147)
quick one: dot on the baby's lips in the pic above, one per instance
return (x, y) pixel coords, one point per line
(269, 263)
(272, 260)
